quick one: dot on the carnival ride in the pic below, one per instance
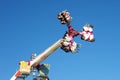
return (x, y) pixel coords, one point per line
(66, 43)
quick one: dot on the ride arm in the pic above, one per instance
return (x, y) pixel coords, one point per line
(46, 53)
(40, 57)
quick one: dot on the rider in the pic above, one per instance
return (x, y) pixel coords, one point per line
(69, 44)
(87, 33)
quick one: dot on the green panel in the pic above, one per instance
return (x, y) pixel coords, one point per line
(44, 69)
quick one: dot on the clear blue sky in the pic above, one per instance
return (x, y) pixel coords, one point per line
(31, 26)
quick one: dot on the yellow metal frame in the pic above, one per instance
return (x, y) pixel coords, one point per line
(25, 68)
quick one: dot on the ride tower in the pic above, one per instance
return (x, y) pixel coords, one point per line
(66, 43)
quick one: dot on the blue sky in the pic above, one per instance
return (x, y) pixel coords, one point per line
(31, 26)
